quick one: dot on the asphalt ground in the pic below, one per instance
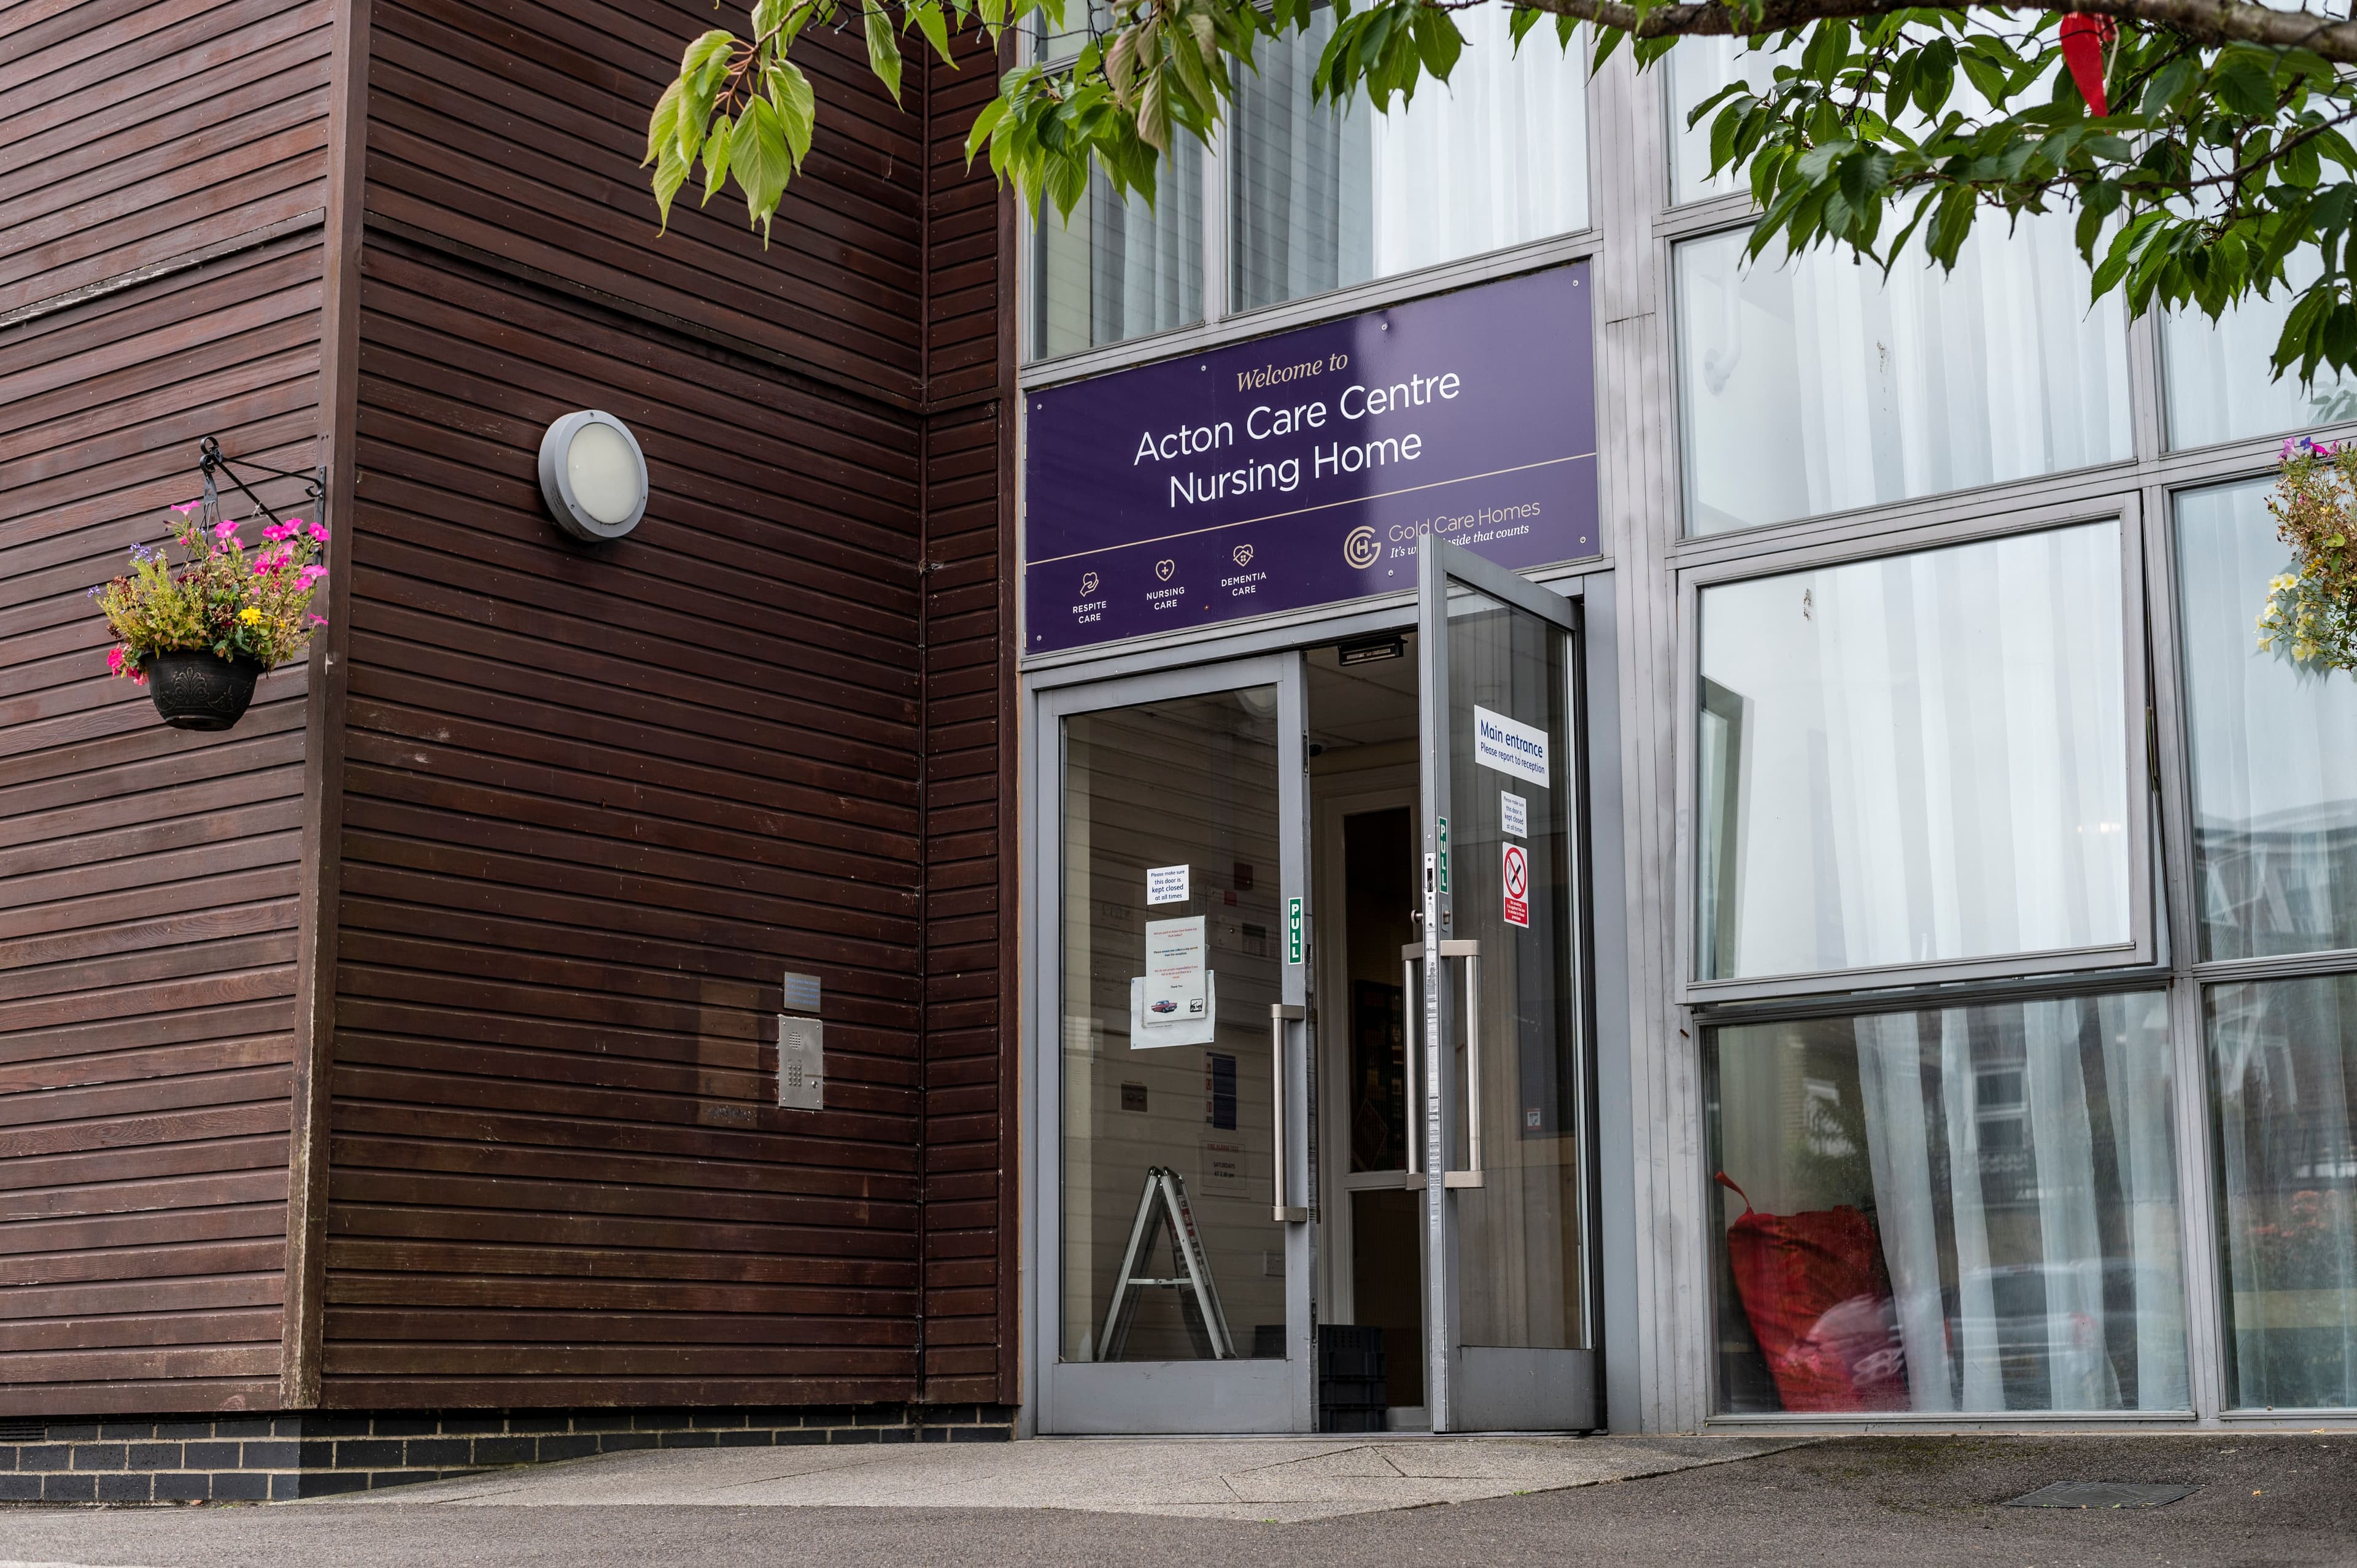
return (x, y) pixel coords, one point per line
(2279, 1500)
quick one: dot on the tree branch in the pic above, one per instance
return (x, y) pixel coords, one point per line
(2207, 21)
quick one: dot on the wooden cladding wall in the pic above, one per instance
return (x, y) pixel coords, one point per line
(597, 801)
(133, 132)
(147, 875)
(970, 1194)
(516, 128)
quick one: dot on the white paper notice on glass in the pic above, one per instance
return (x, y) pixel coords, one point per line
(1509, 745)
(1514, 813)
(1172, 1003)
(1165, 884)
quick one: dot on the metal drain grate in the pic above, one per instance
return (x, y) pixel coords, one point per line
(2101, 1495)
(23, 1431)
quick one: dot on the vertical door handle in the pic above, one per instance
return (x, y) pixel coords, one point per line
(1279, 1014)
(1470, 951)
(1411, 1043)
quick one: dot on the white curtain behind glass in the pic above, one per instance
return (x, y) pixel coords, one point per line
(1816, 386)
(2031, 1233)
(1496, 157)
(2287, 1146)
(2275, 751)
(1933, 763)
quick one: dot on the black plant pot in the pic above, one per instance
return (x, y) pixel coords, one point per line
(199, 690)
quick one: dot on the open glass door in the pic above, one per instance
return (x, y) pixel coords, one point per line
(1172, 1063)
(1501, 1013)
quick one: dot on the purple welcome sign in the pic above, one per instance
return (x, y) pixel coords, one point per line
(1300, 469)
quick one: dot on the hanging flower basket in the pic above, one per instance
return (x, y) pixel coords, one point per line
(2309, 618)
(199, 634)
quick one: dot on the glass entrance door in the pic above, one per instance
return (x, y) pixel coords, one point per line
(1174, 1214)
(1500, 1013)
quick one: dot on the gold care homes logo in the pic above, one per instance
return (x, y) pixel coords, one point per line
(1360, 549)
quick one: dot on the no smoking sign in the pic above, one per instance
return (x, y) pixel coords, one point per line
(1514, 863)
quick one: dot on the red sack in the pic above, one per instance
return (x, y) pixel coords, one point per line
(1818, 1299)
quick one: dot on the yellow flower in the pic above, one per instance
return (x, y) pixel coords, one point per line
(248, 615)
(2277, 584)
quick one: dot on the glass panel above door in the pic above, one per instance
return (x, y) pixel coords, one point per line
(1917, 760)
(1172, 954)
(1496, 156)
(1118, 269)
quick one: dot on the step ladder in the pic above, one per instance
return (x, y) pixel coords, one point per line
(1162, 1206)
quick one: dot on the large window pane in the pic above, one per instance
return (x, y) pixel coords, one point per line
(1968, 1210)
(1917, 759)
(2274, 749)
(2286, 1057)
(1118, 269)
(2220, 377)
(1816, 386)
(1496, 157)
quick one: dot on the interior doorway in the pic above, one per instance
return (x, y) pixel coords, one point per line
(1362, 793)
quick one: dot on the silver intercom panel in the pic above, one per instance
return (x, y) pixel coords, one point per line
(802, 1046)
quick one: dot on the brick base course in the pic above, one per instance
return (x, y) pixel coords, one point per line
(273, 1458)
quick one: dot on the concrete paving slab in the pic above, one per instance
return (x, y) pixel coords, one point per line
(1280, 1480)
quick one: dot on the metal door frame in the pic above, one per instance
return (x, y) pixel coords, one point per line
(1476, 1388)
(1236, 1396)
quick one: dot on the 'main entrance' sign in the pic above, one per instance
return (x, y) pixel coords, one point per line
(1301, 470)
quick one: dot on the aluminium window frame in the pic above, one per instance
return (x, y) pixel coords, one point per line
(2123, 510)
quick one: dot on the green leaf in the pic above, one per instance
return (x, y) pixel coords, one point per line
(759, 158)
(883, 48)
(663, 124)
(797, 106)
(927, 16)
(715, 157)
(670, 173)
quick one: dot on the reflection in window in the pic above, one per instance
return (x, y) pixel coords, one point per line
(2274, 749)
(2220, 374)
(1931, 762)
(2286, 1106)
(1120, 270)
(1816, 386)
(1496, 157)
(1966, 1210)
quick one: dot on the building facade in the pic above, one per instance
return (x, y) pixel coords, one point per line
(1341, 750)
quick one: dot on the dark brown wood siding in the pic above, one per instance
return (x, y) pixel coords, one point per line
(134, 132)
(970, 1186)
(516, 129)
(147, 875)
(597, 801)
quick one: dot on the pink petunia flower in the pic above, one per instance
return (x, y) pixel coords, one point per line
(226, 531)
(185, 508)
(310, 574)
(114, 660)
(277, 531)
(319, 532)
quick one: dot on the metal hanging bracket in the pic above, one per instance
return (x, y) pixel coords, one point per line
(210, 462)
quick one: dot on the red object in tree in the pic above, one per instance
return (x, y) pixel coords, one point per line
(1818, 1299)
(2083, 39)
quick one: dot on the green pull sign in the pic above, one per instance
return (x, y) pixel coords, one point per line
(1293, 930)
(1444, 856)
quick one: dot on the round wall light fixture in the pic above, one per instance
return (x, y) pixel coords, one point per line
(593, 475)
